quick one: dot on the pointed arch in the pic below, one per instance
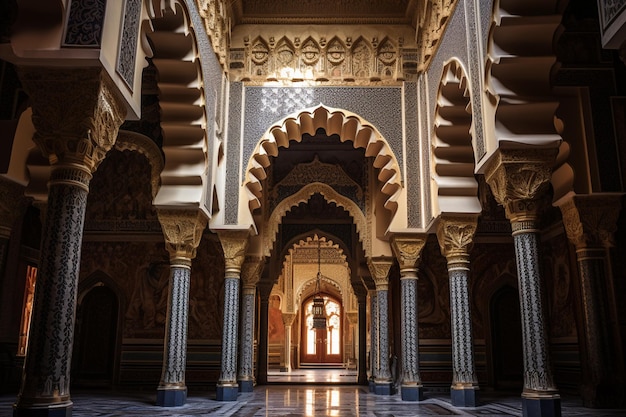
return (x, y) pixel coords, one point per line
(302, 196)
(348, 126)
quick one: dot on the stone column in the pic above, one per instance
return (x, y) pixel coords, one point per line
(265, 289)
(590, 222)
(76, 113)
(519, 180)
(287, 321)
(362, 334)
(234, 244)
(373, 339)
(182, 230)
(250, 275)
(379, 268)
(407, 249)
(455, 234)
(353, 319)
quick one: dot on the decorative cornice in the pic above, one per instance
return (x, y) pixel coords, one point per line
(407, 249)
(234, 244)
(379, 268)
(217, 18)
(591, 220)
(519, 179)
(182, 230)
(76, 112)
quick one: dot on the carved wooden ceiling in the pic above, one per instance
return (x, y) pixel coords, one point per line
(325, 11)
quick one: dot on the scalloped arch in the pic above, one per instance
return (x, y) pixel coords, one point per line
(453, 152)
(349, 127)
(302, 196)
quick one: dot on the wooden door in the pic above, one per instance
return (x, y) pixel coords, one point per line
(322, 346)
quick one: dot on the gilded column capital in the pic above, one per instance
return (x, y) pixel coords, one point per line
(353, 317)
(12, 204)
(379, 268)
(234, 244)
(407, 249)
(251, 271)
(519, 179)
(455, 234)
(76, 113)
(288, 318)
(591, 220)
(182, 230)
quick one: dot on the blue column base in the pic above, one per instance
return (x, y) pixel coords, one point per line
(541, 407)
(171, 397)
(63, 410)
(227, 392)
(246, 385)
(412, 392)
(464, 397)
(382, 388)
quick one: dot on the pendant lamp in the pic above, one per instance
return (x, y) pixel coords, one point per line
(319, 313)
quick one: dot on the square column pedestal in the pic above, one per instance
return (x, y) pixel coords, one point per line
(171, 397)
(227, 392)
(464, 397)
(383, 388)
(246, 385)
(541, 407)
(62, 410)
(412, 392)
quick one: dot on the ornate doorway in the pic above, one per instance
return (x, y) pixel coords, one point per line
(322, 346)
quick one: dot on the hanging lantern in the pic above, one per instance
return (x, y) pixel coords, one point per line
(318, 310)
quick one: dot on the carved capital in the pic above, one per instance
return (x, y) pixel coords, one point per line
(288, 318)
(591, 220)
(76, 113)
(182, 230)
(353, 317)
(519, 179)
(456, 237)
(379, 268)
(12, 204)
(234, 244)
(251, 271)
(407, 249)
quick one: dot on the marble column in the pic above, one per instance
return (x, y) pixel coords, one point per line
(379, 268)
(590, 222)
(182, 230)
(373, 339)
(455, 234)
(287, 321)
(234, 244)
(76, 114)
(519, 180)
(407, 249)
(250, 275)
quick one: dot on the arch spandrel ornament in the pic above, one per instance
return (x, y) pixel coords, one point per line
(348, 126)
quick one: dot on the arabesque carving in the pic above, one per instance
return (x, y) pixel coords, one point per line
(216, 16)
(76, 112)
(12, 204)
(251, 271)
(234, 244)
(407, 250)
(456, 237)
(519, 178)
(182, 230)
(591, 220)
(433, 16)
(379, 268)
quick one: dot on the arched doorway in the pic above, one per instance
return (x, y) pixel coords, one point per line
(96, 339)
(322, 347)
(506, 338)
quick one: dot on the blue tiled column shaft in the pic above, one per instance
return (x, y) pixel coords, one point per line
(172, 390)
(373, 338)
(379, 269)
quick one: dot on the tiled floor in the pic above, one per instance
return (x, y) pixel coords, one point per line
(295, 399)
